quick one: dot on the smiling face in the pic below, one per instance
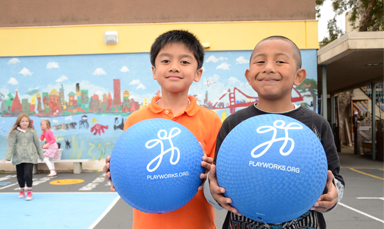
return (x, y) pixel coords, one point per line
(176, 68)
(273, 70)
(24, 123)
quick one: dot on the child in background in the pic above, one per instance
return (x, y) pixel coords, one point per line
(177, 58)
(52, 149)
(275, 66)
(24, 148)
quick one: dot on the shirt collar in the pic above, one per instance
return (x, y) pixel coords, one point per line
(19, 129)
(191, 110)
(295, 107)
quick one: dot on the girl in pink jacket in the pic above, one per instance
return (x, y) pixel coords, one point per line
(52, 149)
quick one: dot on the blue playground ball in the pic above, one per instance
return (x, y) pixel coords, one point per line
(273, 167)
(156, 165)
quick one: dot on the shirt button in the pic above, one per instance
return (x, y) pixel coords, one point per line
(166, 112)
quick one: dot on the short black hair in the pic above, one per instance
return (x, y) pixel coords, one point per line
(178, 36)
(296, 50)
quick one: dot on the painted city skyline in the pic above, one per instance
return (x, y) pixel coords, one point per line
(54, 103)
(87, 98)
(122, 83)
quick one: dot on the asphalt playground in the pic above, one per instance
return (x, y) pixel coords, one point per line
(85, 200)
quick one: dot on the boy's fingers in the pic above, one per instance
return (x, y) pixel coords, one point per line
(213, 185)
(107, 175)
(217, 192)
(231, 209)
(319, 209)
(106, 168)
(329, 178)
(112, 187)
(206, 165)
(225, 203)
(207, 159)
(213, 172)
(322, 206)
(325, 202)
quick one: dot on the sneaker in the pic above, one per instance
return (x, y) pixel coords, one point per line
(29, 195)
(52, 174)
(22, 194)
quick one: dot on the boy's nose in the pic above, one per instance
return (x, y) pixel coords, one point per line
(269, 68)
(174, 68)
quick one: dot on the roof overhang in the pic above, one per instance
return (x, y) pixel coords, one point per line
(353, 60)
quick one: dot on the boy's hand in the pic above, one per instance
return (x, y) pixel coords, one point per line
(217, 192)
(108, 173)
(2, 161)
(330, 197)
(206, 163)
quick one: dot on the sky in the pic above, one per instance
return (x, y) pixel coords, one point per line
(327, 14)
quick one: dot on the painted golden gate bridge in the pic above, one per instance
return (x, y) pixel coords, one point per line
(233, 103)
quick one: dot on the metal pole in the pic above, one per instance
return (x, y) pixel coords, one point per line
(373, 89)
(324, 92)
(333, 113)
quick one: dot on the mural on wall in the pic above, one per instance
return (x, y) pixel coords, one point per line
(87, 98)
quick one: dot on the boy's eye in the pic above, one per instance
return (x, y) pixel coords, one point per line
(184, 62)
(280, 62)
(260, 62)
(165, 61)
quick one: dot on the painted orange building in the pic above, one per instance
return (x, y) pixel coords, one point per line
(54, 102)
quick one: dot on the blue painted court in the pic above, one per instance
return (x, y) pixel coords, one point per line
(53, 210)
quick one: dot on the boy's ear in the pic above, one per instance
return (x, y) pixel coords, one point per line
(247, 76)
(300, 76)
(198, 74)
(154, 73)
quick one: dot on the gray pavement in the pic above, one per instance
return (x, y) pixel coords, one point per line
(349, 160)
(362, 205)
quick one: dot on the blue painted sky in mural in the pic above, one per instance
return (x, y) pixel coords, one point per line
(222, 70)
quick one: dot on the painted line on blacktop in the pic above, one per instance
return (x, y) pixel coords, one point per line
(370, 198)
(366, 174)
(381, 169)
(6, 177)
(10, 185)
(104, 213)
(363, 213)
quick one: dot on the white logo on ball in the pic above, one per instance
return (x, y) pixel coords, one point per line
(278, 124)
(162, 135)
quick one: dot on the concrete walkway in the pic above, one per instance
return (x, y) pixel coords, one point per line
(349, 160)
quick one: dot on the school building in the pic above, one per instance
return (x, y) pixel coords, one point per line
(84, 65)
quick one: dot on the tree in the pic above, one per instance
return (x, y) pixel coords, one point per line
(365, 15)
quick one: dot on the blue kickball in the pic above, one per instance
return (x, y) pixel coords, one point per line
(156, 165)
(273, 167)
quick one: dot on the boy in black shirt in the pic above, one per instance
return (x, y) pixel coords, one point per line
(275, 66)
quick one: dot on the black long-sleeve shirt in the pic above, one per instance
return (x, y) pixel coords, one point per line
(321, 128)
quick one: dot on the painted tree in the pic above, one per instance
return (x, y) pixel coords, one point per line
(365, 15)
(311, 86)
